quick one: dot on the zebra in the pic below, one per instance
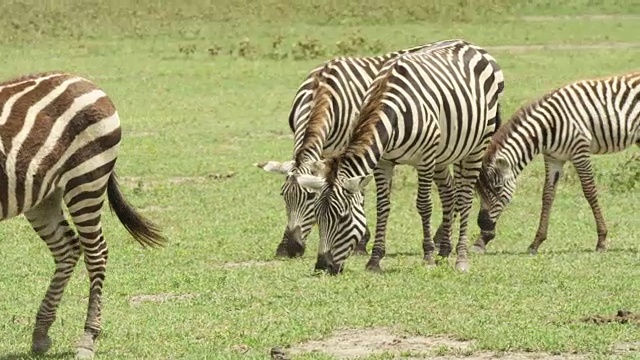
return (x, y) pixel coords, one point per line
(428, 109)
(567, 124)
(60, 136)
(321, 120)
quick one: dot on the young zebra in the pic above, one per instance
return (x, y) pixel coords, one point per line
(322, 119)
(427, 109)
(59, 142)
(571, 123)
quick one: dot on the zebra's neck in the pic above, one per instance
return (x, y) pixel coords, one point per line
(522, 138)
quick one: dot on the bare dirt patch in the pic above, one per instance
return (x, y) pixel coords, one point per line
(596, 46)
(621, 317)
(595, 17)
(158, 298)
(246, 264)
(355, 343)
(141, 183)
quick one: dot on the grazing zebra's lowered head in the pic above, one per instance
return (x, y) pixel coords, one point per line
(338, 209)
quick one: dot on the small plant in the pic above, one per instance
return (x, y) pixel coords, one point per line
(626, 176)
(246, 49)
(187, 49)
(277, 53)
(309, 48)
(214, 50)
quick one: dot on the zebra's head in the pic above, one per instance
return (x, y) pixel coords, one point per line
(339, 211)
(495, 186)
(298, 204)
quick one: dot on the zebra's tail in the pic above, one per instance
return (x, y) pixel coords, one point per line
(143, 230)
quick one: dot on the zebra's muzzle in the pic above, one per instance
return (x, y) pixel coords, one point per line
(325, 263)
(291, 245)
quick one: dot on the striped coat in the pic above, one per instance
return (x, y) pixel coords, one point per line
(568, 124)
(60, 136)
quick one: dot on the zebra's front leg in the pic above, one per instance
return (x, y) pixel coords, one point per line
(446, 191)
(361, 246)
(424, 206)
(49, 222)
(585, 172)
(553, 172)
(383, 175)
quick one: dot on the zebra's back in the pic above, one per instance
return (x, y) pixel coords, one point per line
(56, 129)
(605, 112)
(442, 100)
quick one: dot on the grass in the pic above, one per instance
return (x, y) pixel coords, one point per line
(188, 115)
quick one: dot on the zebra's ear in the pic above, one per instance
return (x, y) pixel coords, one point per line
(311, 183)
(356, 183)
(502, 165)
(276, 167)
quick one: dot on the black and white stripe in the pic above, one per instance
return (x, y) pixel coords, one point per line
(569, 124)
(428, 109)
(60, 136)
(321, 120)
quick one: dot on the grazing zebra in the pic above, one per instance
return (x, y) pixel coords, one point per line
(321, 119)
(59, 142)
(571, 123)
(428, 109)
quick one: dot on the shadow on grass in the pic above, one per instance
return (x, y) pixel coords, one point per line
(30, 355)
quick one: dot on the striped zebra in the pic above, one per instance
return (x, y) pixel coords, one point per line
(321, 120)
(428, 109)
(60, 136)
(571, 123)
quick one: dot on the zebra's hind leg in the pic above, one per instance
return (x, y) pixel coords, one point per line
(446, 191)
(383, 175)
(424, 206)
(84, 202)
(553, 172)
(466, 175)
(48, 220)
(585, 172)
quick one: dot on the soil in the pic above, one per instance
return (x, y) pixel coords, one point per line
(355, 343)
(621, 317)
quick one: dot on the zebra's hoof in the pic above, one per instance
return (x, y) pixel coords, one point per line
(462, 266)
(360, 250)
(41, 345)
(478, 249)
(601, 248)
(374, 268)
(429, 261)
(84, 354)
(533, 251)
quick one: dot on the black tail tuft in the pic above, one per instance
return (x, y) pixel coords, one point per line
(144, 231)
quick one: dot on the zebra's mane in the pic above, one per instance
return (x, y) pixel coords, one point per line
(320, 101)
(483, 184)
(363, 135)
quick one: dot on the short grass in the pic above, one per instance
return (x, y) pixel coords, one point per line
(189, 113)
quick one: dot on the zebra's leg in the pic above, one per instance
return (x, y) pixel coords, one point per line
(466, 175)
(383, 175)
(424, 206)
(48, 220)
(361, 247)
(85, 206)
(553, 170)
(446, 191)
(585, 172)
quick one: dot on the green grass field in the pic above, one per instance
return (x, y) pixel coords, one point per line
(204, 93)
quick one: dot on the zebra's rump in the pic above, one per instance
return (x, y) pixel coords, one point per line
(54, 127)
